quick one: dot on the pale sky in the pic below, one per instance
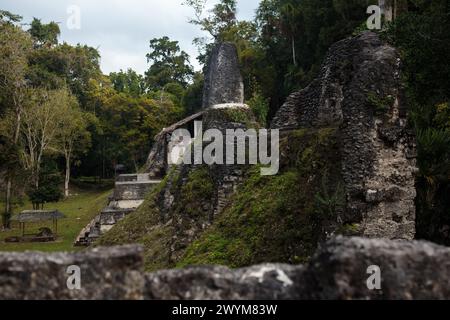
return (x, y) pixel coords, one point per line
(121, 29)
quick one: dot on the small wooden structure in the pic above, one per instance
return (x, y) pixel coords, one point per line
(34, 216)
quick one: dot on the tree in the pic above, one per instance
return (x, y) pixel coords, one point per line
(128, 82)
(65, 65)
(15, 45)
(49, 188)
(294, 36)
(192, 100)
(42, 120)
(123, 126)
(7, 17)
(44, 34)
(168, 64)
(72, 137)
(220, 19)
(129, 125)
(260, 107)
(218, 22)
(9, 166)
(9, 157)
(291, 19)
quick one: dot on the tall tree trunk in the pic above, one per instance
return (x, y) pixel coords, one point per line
(37, 175)
(67, 178)
(294, 59)
(391, 9)
(6, 216)
(387, 9)
(8, 207)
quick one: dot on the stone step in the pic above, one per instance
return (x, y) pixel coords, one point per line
(129, 194)
(133, 190)
(125, 204)
(86, 232)
(133, 177)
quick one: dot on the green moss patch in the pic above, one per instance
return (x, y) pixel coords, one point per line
(232, 115)
(279, 218)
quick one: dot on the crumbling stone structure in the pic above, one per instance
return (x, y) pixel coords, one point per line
(157, 165)
(223, 98)
(223, 80)
(359, 91)
(224, 87)
(408, 270)
(223, 181)
(129, 194)
(179, 214)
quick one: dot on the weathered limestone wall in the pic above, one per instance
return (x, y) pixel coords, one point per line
(409, 270)
(133, 190)
(223, 80)
(223, 86)
(225, 180)
(157, 165)
(114, 273)
(359, 90)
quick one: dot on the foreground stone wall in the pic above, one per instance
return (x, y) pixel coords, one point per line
(359, 90)
(409, 270)
(114, 273)
(338, 271)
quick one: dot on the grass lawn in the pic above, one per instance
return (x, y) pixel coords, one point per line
(79, 210)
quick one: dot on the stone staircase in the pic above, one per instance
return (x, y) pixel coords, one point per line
(226, 190)
(129, 194)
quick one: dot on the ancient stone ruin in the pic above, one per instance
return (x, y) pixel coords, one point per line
(129, 194)
(359, 91)
(223, 109)
(157, 164)
(337, 271)
(223, 80)
(224, 89)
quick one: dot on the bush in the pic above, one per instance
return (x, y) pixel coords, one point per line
(49, 189)
(260, 107)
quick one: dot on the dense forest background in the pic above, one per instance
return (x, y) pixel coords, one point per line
(62, 119)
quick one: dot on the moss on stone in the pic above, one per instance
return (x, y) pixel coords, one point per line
(199, 186)
(158, 228)
(143, 226)
(349, 230)
(232, 115)
(381, 105)
(269, 219)
(274, 219)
